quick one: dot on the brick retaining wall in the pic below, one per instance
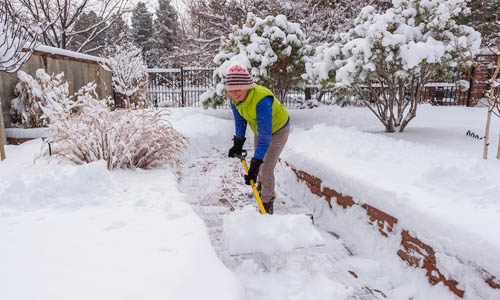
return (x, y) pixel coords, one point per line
(415, 252)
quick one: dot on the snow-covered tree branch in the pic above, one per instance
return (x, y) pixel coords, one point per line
(129, 76)
(17, 38)
(210, 19)
(273, 49)
(61, 16)
(387, 58)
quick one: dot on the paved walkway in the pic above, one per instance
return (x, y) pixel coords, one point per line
(215, 186)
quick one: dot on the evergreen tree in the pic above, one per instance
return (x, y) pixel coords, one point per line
(165, 35)
(81, 37)
(142, 28)
(117, 33)
(166, 29)
(484, 17)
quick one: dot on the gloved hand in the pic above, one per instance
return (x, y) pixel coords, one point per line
(237, 147)
(253, 171)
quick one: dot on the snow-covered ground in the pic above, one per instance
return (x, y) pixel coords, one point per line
(82, 232)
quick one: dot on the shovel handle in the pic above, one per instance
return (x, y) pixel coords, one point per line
(252, 183)
(242, 156)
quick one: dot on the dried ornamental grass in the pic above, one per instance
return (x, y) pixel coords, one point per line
(123, 138)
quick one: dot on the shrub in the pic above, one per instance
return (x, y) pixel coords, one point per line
(129, 79)
(387, 58)
(123, 138)
(33, 94)
(273, 49)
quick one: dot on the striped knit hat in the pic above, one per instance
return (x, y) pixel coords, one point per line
(238, 78)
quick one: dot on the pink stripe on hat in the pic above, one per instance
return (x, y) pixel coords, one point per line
(238, 78)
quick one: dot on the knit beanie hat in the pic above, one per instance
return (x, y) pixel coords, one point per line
(238, 78)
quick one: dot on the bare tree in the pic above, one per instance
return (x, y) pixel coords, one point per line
(206, 22)
(17, 39)
(62, 16)
(209, 20)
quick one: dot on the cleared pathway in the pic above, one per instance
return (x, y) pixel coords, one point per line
(215, 187)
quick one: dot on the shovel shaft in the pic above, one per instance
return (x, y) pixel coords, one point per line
(254, 189)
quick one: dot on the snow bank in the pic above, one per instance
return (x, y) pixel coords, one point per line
(432, 178)
(269, 234)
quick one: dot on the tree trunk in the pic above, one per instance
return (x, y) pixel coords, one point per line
(491, 105)
(2, 149)
(389, 125)
(122, 101)
(409, 116)
(498, 149)
(307, 93)
(487, 133)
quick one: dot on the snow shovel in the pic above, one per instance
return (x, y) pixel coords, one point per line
(254, 188)
(252, 183)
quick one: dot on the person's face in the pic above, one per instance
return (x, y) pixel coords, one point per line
(238, 95)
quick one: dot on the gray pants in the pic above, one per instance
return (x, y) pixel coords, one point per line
(266, 173)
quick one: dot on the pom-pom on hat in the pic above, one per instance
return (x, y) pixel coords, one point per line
(238, 78)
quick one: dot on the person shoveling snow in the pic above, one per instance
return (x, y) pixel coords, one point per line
(268, 234)
(258, 107)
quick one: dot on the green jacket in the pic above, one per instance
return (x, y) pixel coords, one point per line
(248, 109)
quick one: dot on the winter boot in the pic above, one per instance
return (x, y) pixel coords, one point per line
(269, 206)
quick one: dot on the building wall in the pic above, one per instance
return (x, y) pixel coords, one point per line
(478, 78)
(485, 66)
(78, 71)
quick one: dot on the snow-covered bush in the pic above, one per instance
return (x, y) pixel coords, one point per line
(129, 76)
(33, 94)
(85, 97)
(273, 49)
(301, 103)
(141, 138)
(387, 58)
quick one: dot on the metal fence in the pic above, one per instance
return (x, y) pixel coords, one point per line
(182, 87)
(178, 87)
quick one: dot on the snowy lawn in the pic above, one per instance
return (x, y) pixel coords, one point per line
(82, 232)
